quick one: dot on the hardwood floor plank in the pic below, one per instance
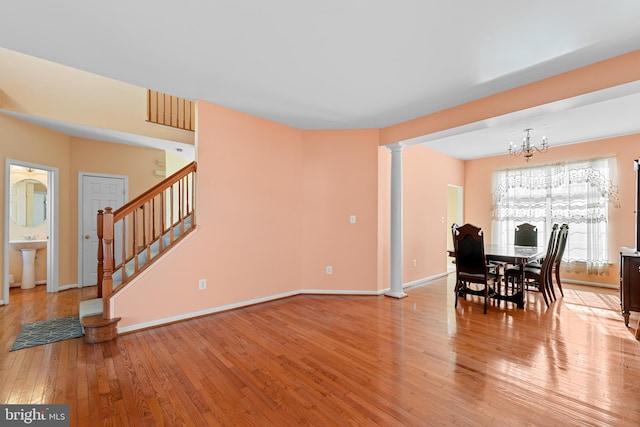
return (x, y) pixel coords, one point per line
(341, 360)
(30, 374)
(15, 379)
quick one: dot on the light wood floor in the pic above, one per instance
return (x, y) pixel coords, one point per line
(341, 360)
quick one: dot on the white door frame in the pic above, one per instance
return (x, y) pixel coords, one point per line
(459, 204)
(81, 176)
(52, 225)
(459, 209)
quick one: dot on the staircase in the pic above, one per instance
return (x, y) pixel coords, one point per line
(131, 239)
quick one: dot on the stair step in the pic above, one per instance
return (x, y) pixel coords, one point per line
(98, 329)
(90, 307)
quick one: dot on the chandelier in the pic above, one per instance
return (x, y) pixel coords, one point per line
(527, 148)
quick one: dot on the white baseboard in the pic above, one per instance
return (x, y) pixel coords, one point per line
(423, 281)
(172, 319)
(44, 282)
(186, 316)
(600, 285)
(338, 292)
(19, 284)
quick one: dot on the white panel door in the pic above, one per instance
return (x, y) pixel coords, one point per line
(98, 192)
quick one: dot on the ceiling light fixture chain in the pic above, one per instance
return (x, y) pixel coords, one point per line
(527, 148)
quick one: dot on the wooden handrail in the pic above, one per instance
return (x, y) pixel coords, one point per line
(158, 188)
(131, 237)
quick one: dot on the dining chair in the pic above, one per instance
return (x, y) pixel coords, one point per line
(471, 264)
(526, 235)
(563, 234)
(534, 272)
(493, 266)
(538, 276)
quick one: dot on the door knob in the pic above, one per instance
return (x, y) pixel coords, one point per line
(87, 236)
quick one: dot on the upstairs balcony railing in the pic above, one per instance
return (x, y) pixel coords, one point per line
(169, 110)
(131, 238)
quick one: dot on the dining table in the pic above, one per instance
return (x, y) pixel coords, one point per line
(512, 255)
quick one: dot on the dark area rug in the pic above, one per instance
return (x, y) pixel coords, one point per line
(47, 331)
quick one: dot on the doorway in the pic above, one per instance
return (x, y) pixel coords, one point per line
(454, 215)
(95, 192)
(32, 217)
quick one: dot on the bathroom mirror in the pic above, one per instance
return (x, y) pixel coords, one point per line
(28, 203)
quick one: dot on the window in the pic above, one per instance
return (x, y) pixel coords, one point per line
(577, 193)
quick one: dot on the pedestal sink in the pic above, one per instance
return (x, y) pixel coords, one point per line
(28, 249)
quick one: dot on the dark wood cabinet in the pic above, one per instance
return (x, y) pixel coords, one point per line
(629, 282)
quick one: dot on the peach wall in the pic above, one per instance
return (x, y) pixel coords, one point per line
(249, 196)
(612, 72)
(621, 220)
(249, 214)
(427, 174)
(339, 180)
(43, 88)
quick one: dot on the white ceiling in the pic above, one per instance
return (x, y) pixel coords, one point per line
(342, 64)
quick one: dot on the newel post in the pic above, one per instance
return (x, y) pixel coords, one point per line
(107, 280)
(100, 253)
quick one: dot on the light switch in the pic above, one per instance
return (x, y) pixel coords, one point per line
(352, 219)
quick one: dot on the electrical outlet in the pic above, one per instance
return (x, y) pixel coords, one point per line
(202, 284)
(329, 269)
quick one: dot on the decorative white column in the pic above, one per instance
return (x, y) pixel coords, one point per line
(396, 221)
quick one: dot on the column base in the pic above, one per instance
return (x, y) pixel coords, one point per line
(396, 294)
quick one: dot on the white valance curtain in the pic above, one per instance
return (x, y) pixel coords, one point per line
(576, 193)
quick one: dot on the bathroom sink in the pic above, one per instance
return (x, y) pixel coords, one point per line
(28, 249)
(28, 244)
